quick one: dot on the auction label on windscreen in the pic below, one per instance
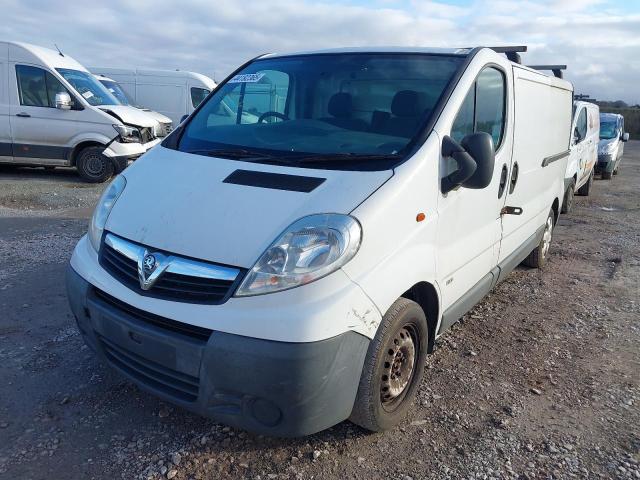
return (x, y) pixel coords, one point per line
(247, 78)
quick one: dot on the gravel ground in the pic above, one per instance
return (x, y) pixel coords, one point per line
(541, 380)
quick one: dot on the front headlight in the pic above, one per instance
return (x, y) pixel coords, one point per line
(309, 249)
(103, 209)
(128, 134)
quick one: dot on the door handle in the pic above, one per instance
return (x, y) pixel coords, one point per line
(23, 115)
(511, 211)
(514, 177)
(503, 180)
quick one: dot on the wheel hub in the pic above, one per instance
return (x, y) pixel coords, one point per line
(398, 366)
(94, 165)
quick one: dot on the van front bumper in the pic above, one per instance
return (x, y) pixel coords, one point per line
(123, 153)
(606, 163)
(265, 386)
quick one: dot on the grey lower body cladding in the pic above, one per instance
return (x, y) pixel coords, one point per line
(274, 388)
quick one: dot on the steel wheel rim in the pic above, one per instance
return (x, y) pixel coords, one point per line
(546, 237)
(94, 164)
(399, 366)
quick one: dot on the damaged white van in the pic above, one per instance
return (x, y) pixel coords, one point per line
(583, 156)
(284, 271)
(53, 112)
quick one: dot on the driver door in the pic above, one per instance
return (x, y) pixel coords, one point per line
(41, 133)
(469, 225)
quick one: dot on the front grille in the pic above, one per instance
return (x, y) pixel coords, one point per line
(194, 332)
(146, 134)
(176, 384)
(604, 158)
(170, 286)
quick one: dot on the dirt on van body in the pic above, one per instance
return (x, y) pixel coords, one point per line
(541, 380)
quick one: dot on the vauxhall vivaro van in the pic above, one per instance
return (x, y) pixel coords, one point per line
(611, 146)
(289, 269)
(53, 112)
(584, 152)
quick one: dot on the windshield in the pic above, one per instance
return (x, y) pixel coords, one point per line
(116, 90)
(608, 130)
(87, 86)
(337, 108)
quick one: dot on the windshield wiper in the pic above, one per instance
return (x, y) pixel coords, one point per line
(246, 155)
(342, 157)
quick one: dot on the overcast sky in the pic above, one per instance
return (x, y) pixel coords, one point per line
(598, 39)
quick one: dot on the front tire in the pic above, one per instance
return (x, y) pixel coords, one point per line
(567, 204)
(393, 367)
(606, 175)
(93, 166)
(538, 257)
(585, 189)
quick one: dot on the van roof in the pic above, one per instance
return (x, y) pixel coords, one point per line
(107, 71)
(28, 53)
(387, 49)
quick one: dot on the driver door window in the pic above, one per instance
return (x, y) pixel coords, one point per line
(581, 126)
(37, 87)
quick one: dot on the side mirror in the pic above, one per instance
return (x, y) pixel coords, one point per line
(480, 147)
(625, 137)
(63, 101)
(466, 164)
(183, 118)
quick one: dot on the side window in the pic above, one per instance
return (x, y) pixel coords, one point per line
(55, 86)
(464, 122)
(490, 104)
(32, 87)
(581, 125)
(198, 95)
(483, 109)
(37, 87)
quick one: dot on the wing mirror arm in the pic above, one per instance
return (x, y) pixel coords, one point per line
(466, 164)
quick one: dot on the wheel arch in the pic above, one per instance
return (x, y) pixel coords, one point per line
(81, 146)
(425, 294)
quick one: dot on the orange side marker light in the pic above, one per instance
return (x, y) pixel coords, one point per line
(420, 217)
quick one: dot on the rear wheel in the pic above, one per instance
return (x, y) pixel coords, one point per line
(393, 367)
(567, 204)
(606, 175)
(585, 189)
(538, 257)
(93, 166)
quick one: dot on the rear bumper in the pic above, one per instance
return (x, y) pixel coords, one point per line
(269, 387)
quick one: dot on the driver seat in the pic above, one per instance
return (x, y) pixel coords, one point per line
(341, 109)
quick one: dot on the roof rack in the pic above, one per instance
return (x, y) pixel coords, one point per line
(511, 52)
(556, 69)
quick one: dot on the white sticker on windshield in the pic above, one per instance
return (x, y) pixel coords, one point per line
(88, 94)
(247, 78)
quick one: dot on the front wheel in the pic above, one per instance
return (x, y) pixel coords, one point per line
(567, 204)
(393, 367)
(538, 257)
(606, 175)
(585, 189)
(93, 166)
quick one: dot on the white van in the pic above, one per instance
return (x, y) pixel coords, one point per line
(285, 274)
(584, 152)
(164, 122)
(611, 145)
(54, 113)
(174, 93)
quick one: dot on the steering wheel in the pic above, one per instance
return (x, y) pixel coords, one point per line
(279, 115)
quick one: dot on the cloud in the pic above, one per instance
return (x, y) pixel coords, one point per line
(597, 41)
